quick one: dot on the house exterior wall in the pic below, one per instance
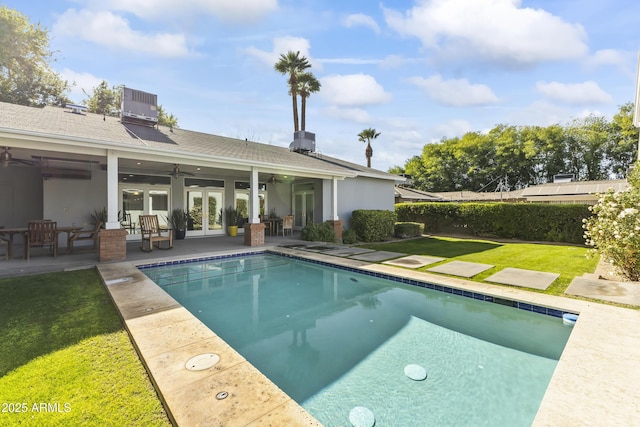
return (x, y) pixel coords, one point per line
(21, 190)
(361, 193)
(72, 201)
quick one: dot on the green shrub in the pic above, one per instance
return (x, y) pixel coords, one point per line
(349, 236)
(405, 230)
(525, 221)
(373, 225)
(319, 232)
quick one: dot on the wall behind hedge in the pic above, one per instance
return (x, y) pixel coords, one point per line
(524, 221)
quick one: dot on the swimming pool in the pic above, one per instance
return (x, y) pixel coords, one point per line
(334, 339)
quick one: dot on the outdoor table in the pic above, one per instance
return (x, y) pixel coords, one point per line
(10, 232)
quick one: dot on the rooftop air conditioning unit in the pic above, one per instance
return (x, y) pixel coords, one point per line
(303, 142)
(563, 177)
(139, 107)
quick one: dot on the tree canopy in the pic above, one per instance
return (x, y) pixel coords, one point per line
(366, 136)
(26, 77)
(591, 148)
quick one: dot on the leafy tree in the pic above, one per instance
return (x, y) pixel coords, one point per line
(165, 119)
(307, 84)
(26, 76)
(366, 136)
(586, 139)
(622, 146)
(292, 64)
(104, 100)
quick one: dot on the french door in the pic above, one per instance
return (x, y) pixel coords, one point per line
(302, 208)
(203, 207)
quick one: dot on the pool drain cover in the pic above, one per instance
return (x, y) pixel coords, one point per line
(415, 372)
(202, 362)
(361, 417)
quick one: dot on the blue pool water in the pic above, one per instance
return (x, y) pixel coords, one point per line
(334, 339)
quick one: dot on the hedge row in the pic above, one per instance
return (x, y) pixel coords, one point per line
(373, 225)
(524, 221)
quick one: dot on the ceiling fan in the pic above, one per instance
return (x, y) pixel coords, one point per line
(6, 159)
(274, 180)
(176, 172)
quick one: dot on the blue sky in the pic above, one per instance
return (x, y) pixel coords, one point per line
(416, 71)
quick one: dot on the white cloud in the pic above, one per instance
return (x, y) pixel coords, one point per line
(357, 115)
(494, 30)
(83, 81)
(455, 92)
(450, 129)
(226, 11)
(353, 90)
(538, 113)
(283, 45)
(574, 93)
(107, 29)
(359, 19)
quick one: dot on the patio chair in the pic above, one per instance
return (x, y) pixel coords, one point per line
(5, 242)
(127, 223)
(287, 224)
(42, 233)
(84, 235)
(151, 232)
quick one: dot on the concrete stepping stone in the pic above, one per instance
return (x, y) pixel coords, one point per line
(607, 290)
(347, 251)
(525, 278)
(414, 261)
(377, 256)
(461, 268)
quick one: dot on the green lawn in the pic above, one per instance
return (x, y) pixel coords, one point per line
(66, 359)
(568, 261)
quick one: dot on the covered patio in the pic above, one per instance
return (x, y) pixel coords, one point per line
(44, 262)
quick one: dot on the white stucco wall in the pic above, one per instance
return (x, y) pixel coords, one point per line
(359, 193)
(71, 201)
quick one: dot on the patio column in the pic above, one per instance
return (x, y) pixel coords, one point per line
(112, 191)
(337, 223)
(112, 240)
(254, 230)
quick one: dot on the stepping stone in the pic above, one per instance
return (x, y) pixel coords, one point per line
(414, 261)
(321, 248)
(347, 251)
(376, 256)
(525, 278)
(607, 290)
(461, 268)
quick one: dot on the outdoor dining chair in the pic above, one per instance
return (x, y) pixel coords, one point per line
(5, 242)
(42, 233)
(287, 224)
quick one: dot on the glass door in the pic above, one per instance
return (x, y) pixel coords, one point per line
(302, 208)
(140, 200)
(204, 218)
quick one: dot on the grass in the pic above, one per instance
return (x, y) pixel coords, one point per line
(568, 261)
(66, 359)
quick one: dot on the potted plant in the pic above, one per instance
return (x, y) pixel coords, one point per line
(178, 221)
(231, 217)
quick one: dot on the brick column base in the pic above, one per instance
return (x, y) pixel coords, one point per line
(337, 229)
(254, 234)
(112, 245)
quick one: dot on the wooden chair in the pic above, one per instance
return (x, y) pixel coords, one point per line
(151, 232)
(42, 233)
(287, 224)
(4, 242)
(84, 235)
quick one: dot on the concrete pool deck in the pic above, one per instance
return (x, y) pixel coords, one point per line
(596, 381)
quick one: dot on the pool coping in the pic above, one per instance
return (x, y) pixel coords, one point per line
(593, 381)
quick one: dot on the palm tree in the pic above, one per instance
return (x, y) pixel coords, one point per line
(307, 84)
(292, 64)
(366, 136)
